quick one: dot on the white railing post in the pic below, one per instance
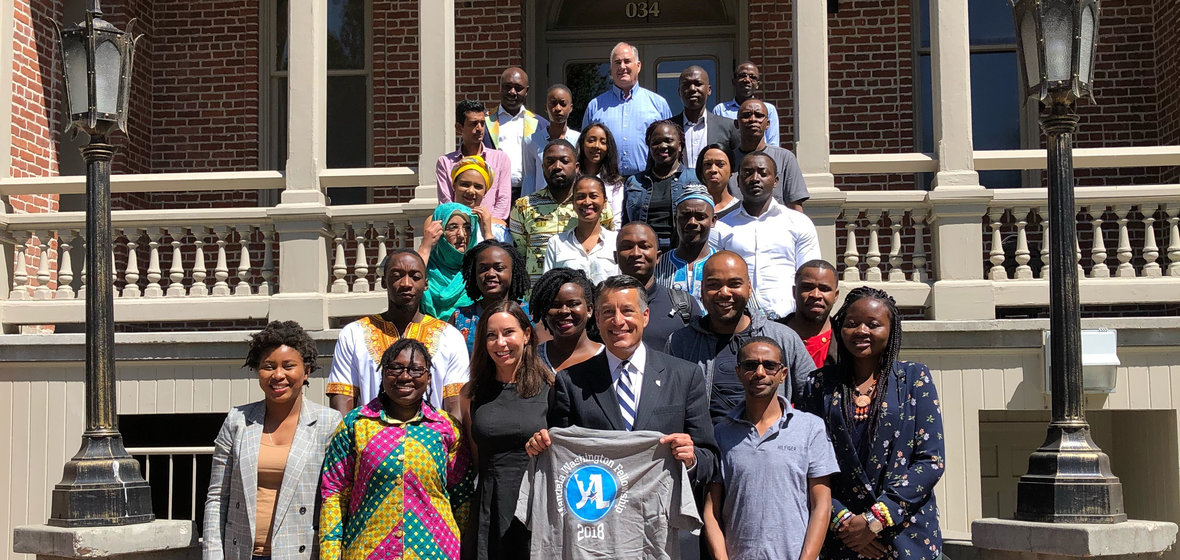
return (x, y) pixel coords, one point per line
(1151, 250)
(1098, 268)
(1023, 256)
(42, 292)
(65, 265)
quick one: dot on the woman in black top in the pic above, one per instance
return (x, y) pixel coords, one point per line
(649, 195)
(503, 404)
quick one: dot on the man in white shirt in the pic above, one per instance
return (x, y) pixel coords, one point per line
(511, 123)
(559, 102)
(772, 238)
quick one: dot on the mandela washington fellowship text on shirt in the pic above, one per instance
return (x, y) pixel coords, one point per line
(606, 494)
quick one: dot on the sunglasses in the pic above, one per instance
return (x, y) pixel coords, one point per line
(770, 366)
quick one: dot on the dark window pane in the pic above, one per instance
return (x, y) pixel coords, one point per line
(924, 24)
(586, 80)
(282, 15)
(668, 81)
(926, 92)
(346, 34)
(585, 14)
(278, 118)
(995, 110)
(990, 22)
(348, 117)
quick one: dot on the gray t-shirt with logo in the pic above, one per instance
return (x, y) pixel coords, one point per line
(606, 494)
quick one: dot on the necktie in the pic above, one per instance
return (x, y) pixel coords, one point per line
(626, 396)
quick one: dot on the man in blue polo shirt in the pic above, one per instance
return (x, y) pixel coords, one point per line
(770, 498)
(626, 109)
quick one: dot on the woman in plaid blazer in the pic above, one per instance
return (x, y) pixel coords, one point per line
(263, 491)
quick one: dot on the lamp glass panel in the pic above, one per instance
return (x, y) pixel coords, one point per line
(1086, 52)
(75, 62)
(1028, 39)
(1057, 21)
(107, 69)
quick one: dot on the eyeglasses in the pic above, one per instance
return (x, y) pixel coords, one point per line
(396, 370)
(770, 366)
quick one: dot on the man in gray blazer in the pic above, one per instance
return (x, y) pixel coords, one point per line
(634, 387)
(701, 128)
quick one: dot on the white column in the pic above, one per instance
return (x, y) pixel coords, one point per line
(436, 88)
(950, 66)
(307, 107)
(810, 59)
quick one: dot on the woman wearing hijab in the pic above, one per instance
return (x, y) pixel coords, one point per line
(446, 290)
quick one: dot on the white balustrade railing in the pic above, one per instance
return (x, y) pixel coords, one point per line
(1119, 233)
(195, 265)
(190, 486)
(228, 264)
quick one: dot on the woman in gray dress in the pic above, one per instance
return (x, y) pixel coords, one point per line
(503, 404)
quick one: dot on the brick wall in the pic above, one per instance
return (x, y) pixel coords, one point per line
(395, 90)
(205, 86)
(1125, 93)
(34, 85)
(1167, 59)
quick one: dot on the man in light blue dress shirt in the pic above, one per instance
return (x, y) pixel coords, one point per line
(747, 82)
(627, 109)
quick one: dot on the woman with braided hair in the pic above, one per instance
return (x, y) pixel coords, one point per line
(884, 420)
(493, 271)
(563, 301)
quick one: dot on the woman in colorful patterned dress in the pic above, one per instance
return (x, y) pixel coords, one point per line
(493, 272)
(397, 478)
(503, 405)
(885, 423)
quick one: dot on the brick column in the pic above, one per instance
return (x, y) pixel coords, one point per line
(7, 45)
(436, 74)
(307, 94)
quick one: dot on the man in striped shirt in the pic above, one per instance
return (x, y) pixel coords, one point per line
(682, 268)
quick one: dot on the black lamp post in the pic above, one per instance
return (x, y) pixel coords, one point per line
(1069, 478)
(101, 485)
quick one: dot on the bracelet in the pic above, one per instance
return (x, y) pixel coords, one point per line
(840, 517)
(881, 512)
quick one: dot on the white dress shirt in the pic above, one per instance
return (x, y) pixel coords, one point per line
(773, 245)
(564, 250)
(635, 365)
(511, 140)
(696, 137)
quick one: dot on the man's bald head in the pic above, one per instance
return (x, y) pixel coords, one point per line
(514, 86)
(725, 290)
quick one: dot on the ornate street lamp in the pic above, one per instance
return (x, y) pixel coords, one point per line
(101, 485)
(1069, 478)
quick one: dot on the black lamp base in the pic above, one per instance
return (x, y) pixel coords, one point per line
(101, 487)
(1069, 481)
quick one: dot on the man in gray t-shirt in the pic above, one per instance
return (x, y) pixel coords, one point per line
(791, 191)
(770, 498)
(606, 494)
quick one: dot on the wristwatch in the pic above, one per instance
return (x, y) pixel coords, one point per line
(874, 523)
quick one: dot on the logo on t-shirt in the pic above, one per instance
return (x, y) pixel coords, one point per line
(590, 488)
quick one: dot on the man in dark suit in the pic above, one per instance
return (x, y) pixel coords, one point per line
(633, 387)
(701, 128)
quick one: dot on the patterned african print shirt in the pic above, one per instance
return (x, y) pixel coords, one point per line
(674, 272)
(394, 489)
(537, 217)
(361, 343)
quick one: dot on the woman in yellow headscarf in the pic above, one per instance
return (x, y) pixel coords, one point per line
(471, 177)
